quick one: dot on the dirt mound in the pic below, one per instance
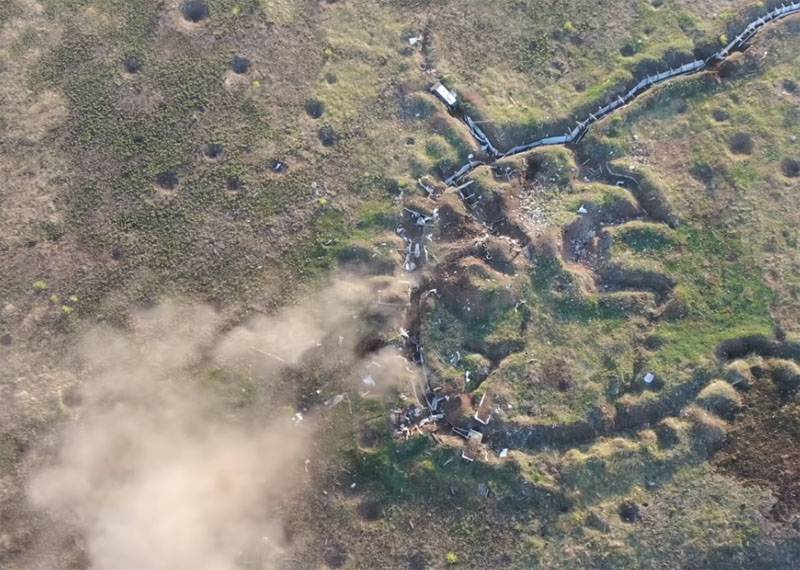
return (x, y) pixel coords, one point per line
(618, 278)
(786, 376)
(720, 398)
(647, 191)
(667, 433)
(473, 291)
(708, 432)
(454, 222)
(635, 413)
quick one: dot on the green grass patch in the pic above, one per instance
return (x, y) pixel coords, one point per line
(645, 239)
(724, 293)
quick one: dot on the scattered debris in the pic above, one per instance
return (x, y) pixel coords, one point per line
(273, 356)
(430, 190)
(448, 97)
(475, 436)
(336, 400)
(484, 413)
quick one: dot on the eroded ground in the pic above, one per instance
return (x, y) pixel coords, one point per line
(629, 307)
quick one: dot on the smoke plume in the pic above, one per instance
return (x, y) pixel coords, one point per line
(157, 472)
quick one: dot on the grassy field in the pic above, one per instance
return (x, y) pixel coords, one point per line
(240, 153)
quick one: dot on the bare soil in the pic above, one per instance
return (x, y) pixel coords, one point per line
(763, 447)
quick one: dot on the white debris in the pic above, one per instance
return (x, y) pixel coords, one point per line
(297, 418)
(369, 381)
(504, 453)
(649, 377)
(583, 210)
(445, 94)
(335, 401)
(414, 40)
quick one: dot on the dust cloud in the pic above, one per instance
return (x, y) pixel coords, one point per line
(155, 472)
